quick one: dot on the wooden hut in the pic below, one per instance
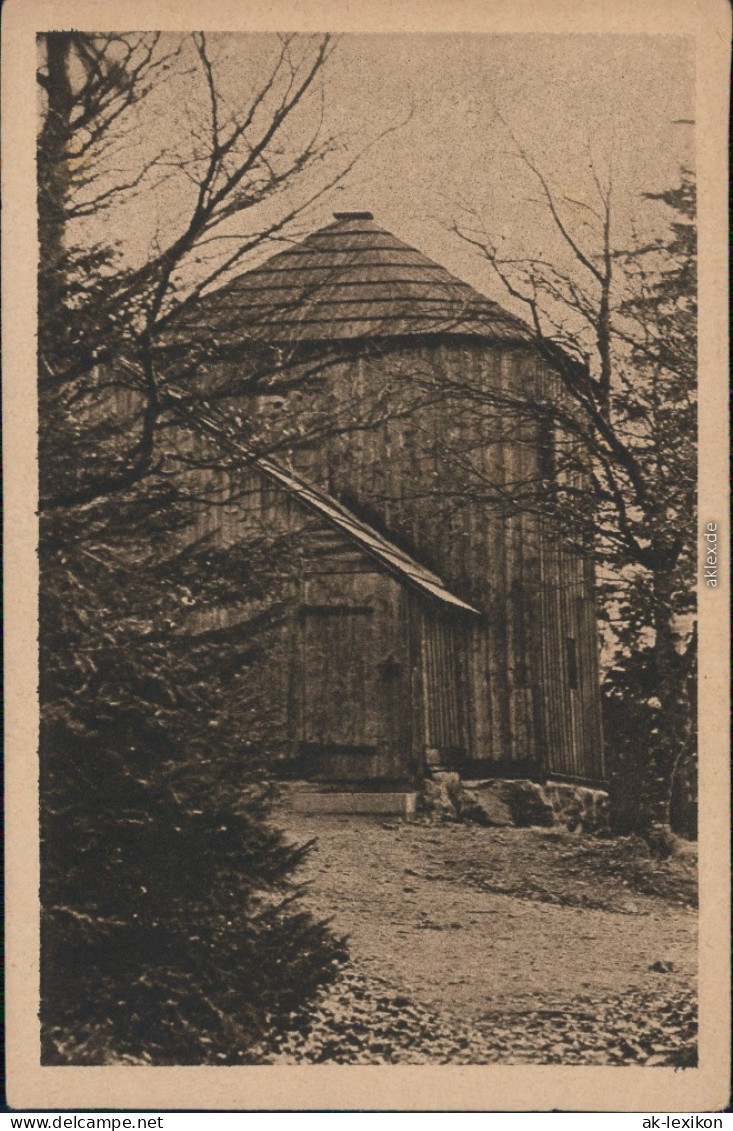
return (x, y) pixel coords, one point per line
(432, 625)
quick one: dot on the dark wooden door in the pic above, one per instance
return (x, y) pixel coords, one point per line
(352, 706)
(340, 678)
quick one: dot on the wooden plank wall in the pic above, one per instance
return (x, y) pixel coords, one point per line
(443, 660)
(422, 468)
(415, 460)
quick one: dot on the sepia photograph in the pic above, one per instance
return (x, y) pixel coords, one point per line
(369, 548)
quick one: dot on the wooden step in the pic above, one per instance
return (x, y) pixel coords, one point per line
(354, 804)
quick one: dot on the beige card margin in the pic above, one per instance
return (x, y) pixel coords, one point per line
(491, 1088)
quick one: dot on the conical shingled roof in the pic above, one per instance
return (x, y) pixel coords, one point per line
(349, 280)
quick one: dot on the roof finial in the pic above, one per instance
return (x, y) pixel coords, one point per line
(353, 216)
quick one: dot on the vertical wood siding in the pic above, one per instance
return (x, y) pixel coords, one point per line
(420, 471)
(443, 658)
(413, 459)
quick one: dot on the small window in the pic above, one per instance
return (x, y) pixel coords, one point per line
(547, 451)
(571, 657)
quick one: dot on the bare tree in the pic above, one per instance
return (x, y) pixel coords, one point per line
(616, 329)
(237, 161)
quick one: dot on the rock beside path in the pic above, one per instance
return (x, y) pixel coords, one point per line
(483, 807)
(500, 803)
(523, 801)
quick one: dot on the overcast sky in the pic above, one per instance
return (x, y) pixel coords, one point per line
(559, 95)
(568, 99)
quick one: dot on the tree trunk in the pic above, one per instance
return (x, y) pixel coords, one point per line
(673, 671)
(53, 158)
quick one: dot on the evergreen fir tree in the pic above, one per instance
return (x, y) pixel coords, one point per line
(172, 931)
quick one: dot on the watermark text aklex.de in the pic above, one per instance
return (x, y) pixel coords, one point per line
(710, 568)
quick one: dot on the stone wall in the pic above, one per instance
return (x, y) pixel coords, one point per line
(519, 803)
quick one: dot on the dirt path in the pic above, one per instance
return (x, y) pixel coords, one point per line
(471, 922)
